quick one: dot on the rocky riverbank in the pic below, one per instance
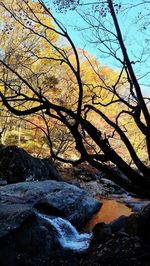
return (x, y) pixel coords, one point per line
(28, 239)
(23, 232)
(37, 218)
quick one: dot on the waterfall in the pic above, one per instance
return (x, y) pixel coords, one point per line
(67, 235)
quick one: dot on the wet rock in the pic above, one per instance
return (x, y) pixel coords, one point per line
(131, 224)
(145, 222)
(53, 198)
(22, 233)
(70, 202)
(25, 237)
(138, 224)
(118, 224)
(16, 165)
(101, 232)
(138, 205)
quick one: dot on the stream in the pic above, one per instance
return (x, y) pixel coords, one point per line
(113, 208)
(67, 235)
(69, 238)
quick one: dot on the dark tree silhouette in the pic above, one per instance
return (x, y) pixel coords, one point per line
(27, 99)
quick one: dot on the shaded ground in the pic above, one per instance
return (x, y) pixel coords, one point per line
(118, 251)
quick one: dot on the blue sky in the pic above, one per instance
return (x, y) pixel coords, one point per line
(135, 39)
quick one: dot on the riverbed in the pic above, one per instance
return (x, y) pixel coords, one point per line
(113, 208)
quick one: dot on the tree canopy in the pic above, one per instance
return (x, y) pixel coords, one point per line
(97, 111)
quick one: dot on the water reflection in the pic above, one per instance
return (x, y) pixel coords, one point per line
(110, 210)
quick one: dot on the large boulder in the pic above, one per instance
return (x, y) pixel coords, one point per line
(118, 225)
(139, 224)
(16, 165)
(24, 235)
(53, 198)
(101, 232)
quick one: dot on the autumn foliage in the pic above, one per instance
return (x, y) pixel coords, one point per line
(58, 100)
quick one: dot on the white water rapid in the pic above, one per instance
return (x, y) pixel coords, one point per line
(67, 235)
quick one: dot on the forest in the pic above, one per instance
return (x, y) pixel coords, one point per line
(61, 103)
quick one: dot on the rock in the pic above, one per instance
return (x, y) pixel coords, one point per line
(144, 223)
(25, 237)
(116, 251)
(84, 174)
(131, 224)
(22, 233)
(16, 165)
(52, 197)
(119, 250)
(137, 206)
(28, 240)
(101, 232)
(111, 187)
(103, 187)
(139, 224)
(118, 224)
(94, 188)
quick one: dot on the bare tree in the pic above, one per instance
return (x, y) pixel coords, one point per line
(24, 97)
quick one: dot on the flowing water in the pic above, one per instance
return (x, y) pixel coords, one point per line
(67, 235)
(70, 238)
